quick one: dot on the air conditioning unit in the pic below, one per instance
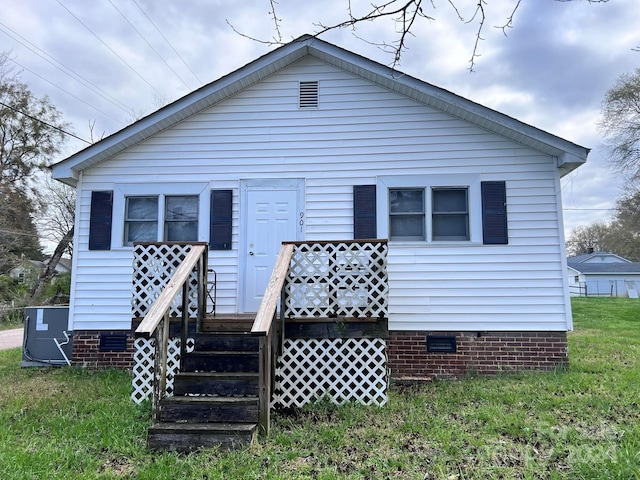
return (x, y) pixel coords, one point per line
(46, 339)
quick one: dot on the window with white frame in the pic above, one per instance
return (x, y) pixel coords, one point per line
(181, 218)
(430, 208)
(407, 214)
(450, 214)
(143, 214)
(449, 208)
(140, 219)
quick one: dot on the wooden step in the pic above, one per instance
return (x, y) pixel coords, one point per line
(228, 323)
(216, 383)
(187, 437)
(209, 409)
(226, 341)
(220, 361)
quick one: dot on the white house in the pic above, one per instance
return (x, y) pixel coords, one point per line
(28, 270)
(603, 274)
(313, 142)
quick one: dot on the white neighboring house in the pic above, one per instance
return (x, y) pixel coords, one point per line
(468, 198)
(27, 271)
(603, 274)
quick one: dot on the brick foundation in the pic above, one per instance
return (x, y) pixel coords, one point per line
(86, 351)
(486, 353)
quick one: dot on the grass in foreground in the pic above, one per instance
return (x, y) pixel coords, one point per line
(579, 423)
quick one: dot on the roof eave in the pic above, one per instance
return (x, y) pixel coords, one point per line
(67, 170)
(569, 155)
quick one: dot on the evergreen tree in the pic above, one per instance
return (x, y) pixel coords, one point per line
(30, 137)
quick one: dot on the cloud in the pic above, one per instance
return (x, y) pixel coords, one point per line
(551, 71)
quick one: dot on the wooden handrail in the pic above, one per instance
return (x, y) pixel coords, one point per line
(157, 311)
(263, 328)
(264, 318)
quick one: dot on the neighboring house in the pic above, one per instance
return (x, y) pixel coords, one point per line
(28, 271)
(603, 274)
(313, 142)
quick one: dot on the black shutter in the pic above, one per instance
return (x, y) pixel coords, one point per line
(494, 213)
(100, 220)
(221, 220)
(364, 212)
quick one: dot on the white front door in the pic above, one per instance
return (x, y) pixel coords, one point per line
(271, 219)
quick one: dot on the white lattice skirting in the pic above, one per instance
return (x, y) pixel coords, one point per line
(351, 370)
(339, 370)
(143, 358)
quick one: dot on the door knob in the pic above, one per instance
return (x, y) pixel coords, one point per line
(251, 253)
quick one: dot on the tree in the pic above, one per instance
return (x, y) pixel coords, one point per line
(57, 212)
(30, 136)
(404, 14)
(30, 129)
(18, 234)
(57, 224)
(626, 225)
(594, 237)
(620, 236)
(620, 124)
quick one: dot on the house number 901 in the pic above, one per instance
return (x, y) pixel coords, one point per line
(301, 220)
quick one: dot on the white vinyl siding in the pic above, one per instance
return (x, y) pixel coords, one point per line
(359, 133)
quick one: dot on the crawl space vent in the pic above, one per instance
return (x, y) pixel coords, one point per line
(113, 342)
(309, 94)
(441, 343)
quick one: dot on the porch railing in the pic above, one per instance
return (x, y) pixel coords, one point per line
(264, 326)
(156, 319)
(341, 279)
(318, 281)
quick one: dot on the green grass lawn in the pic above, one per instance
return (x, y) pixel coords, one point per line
(582, 423)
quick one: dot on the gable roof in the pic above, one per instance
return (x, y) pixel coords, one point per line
(569, 155)
(607, 268)
(585, 257)
(581, 264)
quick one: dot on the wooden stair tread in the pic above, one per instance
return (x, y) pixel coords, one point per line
(189, 437)
(219, 375)
(204, 427)
(222, 352)
(228, 323)
(206, 400)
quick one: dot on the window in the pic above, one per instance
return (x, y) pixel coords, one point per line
(142, 216)
(406, 214)
(141, 220)
(450, 214)
(441, 208)
(181, 218)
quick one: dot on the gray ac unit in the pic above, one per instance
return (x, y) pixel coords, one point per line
(46, 339)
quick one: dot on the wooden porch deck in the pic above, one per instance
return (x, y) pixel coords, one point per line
(224, 385)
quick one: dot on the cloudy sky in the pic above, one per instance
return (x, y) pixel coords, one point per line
(110, 61)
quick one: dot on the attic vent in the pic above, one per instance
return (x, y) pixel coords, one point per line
(309, 94)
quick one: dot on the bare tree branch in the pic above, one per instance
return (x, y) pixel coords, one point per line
(404, 13)
(276, 20)
(478, 13)
(509, 23)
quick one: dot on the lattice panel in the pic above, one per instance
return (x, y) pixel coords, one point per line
(351, 370)
(153, 267)
(143, 359)
(337, 279)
